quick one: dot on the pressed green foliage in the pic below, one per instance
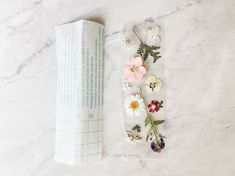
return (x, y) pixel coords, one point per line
(147, 121)
(153, 126)
(145, 50)
(137, 128)
(158, 122)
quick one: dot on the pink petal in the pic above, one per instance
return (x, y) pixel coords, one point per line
(128, 66)
(142, 69)
(132, 61)
(126, 71)
(129, 76)
(138, 62)
(139, 75)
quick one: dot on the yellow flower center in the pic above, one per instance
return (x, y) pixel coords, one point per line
(134, 105)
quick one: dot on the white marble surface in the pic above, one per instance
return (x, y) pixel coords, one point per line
(199, 40)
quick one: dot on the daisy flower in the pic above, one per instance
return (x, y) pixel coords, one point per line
(134, 105)
(153, 84)
(135, 69)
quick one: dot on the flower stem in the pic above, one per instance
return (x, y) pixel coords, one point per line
(149, 117)
(142, 94)
(153, 127)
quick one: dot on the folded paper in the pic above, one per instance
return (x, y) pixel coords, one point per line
(79, 92)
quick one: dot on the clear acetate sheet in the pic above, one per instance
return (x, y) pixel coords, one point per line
(151, 33)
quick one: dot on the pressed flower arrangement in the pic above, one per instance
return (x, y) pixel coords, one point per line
(136, 77)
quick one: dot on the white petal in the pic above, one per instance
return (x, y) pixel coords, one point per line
(151, 79)
(129, 39)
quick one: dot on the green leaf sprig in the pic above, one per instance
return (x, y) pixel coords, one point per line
(149, 121)
(145, 50)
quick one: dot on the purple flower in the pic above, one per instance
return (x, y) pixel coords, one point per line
(162, 143)
(154, 147)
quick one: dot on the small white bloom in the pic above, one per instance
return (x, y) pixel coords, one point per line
(134, 134)
(153, 84)
(126, 87)
(134, 105)
(129, 40)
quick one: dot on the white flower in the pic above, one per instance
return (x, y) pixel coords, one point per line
(153, 84)
(129, 40)
(134, 134)
(126, 87)
(154, 39)
(134, 105)
(150, 33)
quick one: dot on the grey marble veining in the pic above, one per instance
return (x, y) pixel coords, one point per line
(199, 51)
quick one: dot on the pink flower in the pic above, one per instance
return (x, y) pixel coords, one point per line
(134, 70)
